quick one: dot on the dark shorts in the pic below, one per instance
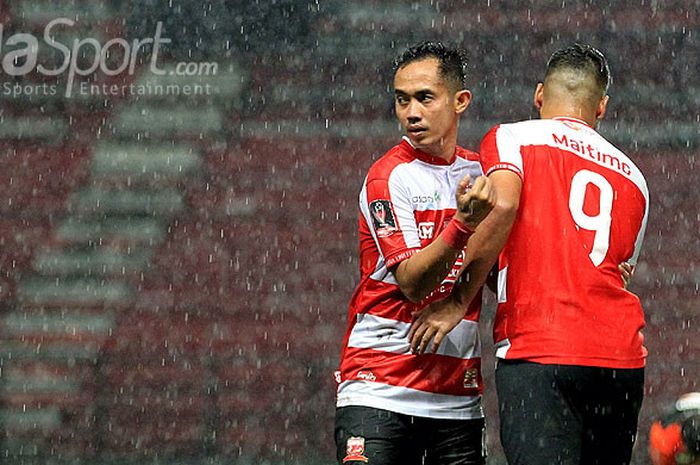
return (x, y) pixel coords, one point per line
(568, 415)
(365, 435)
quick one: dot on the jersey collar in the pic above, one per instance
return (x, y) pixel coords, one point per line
(427, 158)
(570, 119)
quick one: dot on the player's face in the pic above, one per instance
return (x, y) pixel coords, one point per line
(426, 106)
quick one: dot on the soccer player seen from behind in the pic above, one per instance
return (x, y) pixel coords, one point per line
(571, 207)
(417, 211)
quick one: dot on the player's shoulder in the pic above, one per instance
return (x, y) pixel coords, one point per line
(514, 130)
(383, 167)
(528, 127)
(525, 124)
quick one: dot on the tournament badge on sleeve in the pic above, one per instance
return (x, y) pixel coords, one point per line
(382, 218)
(355, 450)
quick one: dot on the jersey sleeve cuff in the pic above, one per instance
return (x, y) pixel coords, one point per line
(397, 257)
(506, 166)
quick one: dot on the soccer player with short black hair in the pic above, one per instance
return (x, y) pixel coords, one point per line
(395, 403)
(571, 207)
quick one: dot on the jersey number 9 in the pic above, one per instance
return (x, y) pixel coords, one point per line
(599, 223)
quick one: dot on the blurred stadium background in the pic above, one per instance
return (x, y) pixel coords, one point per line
(175, 270)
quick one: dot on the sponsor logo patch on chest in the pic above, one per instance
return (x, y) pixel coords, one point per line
(426, 229)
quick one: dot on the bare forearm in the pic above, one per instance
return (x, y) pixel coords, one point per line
(424, 271)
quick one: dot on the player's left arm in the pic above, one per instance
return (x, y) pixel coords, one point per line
(482, 252)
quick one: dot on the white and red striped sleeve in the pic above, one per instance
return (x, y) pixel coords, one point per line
(386, 206)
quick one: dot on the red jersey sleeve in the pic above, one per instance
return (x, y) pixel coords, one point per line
(501, 151)
(389, 214)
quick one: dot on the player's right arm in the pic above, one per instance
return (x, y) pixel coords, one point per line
(482, 252)
(419, 275)
(388, 210)
(502, 162)
(491, 236)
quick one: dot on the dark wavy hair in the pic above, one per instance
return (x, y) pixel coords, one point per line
(453, 61)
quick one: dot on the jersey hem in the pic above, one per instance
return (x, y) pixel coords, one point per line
(471, 413)
(581, 361)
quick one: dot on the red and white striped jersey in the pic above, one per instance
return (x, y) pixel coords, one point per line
(406, 200)
(583, 210)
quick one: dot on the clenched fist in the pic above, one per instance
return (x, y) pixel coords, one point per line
(476, 201)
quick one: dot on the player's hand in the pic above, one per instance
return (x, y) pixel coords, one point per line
(626, 270)
(476, 201)
(434, 322)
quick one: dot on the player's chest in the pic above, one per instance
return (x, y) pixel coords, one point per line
(433, 190)
(431, 195)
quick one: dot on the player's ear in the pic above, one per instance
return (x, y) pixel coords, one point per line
(539, 95)
(462, 100)
(602, 107)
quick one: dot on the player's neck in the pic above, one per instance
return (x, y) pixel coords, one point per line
(441, 149)
(570, 111)
(445, 147)
(444, 150)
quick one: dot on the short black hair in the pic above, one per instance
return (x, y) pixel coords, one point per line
(453, 60)
(582, 57)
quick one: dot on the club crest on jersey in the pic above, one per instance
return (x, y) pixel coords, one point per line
(382, 218)
(355, 450)
(471, 378)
